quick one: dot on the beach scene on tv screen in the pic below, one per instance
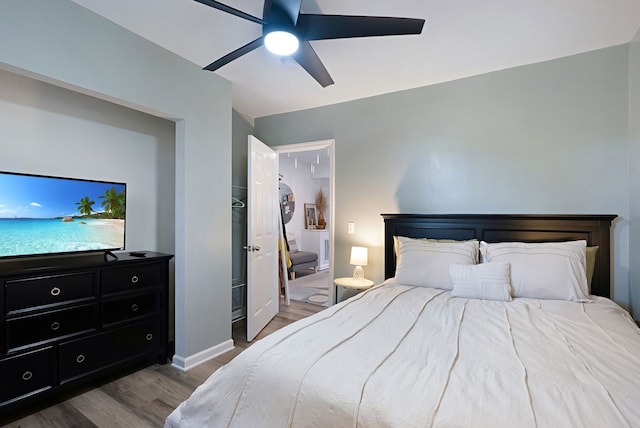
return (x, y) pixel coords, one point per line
(43, 215)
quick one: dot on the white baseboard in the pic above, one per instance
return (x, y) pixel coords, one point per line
(187, 363)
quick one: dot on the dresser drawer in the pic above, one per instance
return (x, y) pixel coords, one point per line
(131, 278)
(26, 293)
(128, 308)
(84, 356)
(50, 325)
(25, 374)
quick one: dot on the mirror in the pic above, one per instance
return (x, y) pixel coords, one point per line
(287, 202)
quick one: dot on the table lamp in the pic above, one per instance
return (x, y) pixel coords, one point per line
(358, 259)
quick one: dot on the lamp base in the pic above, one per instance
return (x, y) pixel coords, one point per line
(358, 273)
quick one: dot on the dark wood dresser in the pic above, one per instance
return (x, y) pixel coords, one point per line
(68, 321)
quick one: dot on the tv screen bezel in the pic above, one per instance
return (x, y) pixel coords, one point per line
(73, 252)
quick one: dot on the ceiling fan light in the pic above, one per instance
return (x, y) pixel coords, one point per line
(281, 42)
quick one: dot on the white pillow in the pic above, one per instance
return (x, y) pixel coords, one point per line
(549, 270)
(396, 245)
(489, 281)
(293, 246)
(426, 263)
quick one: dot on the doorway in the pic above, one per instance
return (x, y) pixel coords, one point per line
(306, 181)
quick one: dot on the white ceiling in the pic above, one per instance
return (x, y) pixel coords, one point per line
(461, 38)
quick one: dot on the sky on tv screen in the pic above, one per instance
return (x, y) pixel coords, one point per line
(24, 196)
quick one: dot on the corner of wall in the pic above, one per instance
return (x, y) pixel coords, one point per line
(634, 174)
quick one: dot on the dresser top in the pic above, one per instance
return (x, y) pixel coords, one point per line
(37, 265)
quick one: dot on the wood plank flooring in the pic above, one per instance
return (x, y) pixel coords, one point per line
(146, 397)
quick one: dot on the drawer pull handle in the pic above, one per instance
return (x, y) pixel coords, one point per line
(55, 291)
(27, 375)
(55, 325)
(134, 307)
(80, 359)
(149, 337)
(134, 279)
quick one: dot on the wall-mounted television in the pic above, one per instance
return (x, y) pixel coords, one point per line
(43, 215)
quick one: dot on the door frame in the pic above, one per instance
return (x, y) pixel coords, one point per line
(329, 144)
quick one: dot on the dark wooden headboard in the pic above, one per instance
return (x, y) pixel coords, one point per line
(595, 229)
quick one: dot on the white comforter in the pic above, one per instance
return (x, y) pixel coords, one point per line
(399, 356)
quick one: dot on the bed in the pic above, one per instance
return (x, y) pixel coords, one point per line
(404, 355)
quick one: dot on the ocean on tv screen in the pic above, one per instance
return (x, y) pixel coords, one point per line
(45, 236)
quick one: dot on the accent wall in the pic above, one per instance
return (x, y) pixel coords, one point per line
(545, 138)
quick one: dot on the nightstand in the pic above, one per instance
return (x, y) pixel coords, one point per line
(351, 286)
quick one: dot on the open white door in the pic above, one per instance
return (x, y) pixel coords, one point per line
(262, 237)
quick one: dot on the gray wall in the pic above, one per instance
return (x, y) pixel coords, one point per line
(544, 138)
(59, 42)
(634, 194)
(79, 136)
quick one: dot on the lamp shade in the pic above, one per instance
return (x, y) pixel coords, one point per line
(359, 256)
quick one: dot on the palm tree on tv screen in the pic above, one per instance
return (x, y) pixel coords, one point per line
(85, 206)
(113, 202)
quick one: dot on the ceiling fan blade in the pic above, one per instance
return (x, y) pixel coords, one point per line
(321, 27)
(291, 9)
(232, 11)
(308, 59)
(235, 54)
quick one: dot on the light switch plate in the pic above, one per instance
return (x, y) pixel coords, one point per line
(351, 227)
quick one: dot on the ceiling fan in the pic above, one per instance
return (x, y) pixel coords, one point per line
(287, 32)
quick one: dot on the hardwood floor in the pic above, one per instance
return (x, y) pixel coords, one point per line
(146, 397)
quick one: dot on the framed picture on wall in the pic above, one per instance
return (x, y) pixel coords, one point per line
(310, 215)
